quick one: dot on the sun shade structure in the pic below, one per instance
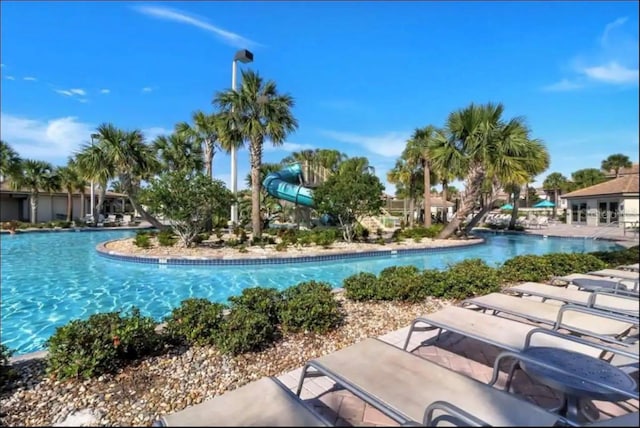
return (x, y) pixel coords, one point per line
(544, 204)
(506, 207)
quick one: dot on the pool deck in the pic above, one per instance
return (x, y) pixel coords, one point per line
(627, 239)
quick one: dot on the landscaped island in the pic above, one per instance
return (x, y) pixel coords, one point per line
(278, 244)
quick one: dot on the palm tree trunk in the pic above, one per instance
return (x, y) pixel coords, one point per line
(427, 195)
(34, 208)
(255, 154)
(69, 205)
(101, 197)
(514, 213)
(412, 210)
(208, 158)
(473, 186)
(445, 210)
(555, 202)
(82, 207)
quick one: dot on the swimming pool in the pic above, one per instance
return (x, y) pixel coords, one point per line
(49, 279)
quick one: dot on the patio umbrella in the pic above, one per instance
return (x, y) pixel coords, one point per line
(506, 207)
(544, 204)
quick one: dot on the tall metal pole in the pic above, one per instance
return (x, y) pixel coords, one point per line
(92, 194)
(234, 155)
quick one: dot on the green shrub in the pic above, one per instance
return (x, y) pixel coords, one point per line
(264, 240)
(434, 282)
(361, 232)
(288, 236)
(309, 306)
(258, 299)
(100, 344)
(166, 238)
(380, 241)
(6, 372)
(244, 330)
(566, 263)
(616, 258)
(470, 277)
(324, 238)
(379, 233)
(142, 240)
(281, 246)
(195, 321)
(243, 249)
(402, 283)
(526, 268)
(362, 286)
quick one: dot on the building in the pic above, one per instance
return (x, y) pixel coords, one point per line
(616, 201)
(15, 205)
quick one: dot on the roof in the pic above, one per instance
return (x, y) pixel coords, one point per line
(627, 184)
(436, 201)
(5, 186)
(635, 169)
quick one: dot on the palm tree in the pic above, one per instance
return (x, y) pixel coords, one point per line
(616, 162)
(9, 161)
(555, 182)
(255, 113)
(206, 133)
(417, 151)
(123, 155)
(70, 181)
(178, 152)
(587, 177)
(402, 175)
(35, 176)
(481, 149)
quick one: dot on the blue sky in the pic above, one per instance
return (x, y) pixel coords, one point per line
(363, 74)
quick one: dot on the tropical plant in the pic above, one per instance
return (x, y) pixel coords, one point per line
(351, 193)
(555, 182)
(254, 113)
(537, 162)
(587, 177)
(70, 181)
(9, 161)
(402, 175)
(481, 149)
(122, 154)
(179, 152)
(187, 200)
(616, 162)
(417, 152)
(205, 133)
(36, 176)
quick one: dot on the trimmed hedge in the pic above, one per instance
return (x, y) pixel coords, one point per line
(310, 306)
(542, 268)
(101, 344)
(196, 322)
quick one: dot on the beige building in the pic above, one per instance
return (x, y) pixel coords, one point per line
(15, 205)
(616, 201)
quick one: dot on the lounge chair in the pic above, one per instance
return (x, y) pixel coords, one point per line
(513, 335)
(587, 321)
(615, 284)
(635, 267)
(617, 273)
(402, 385)
(265, 402)
(599, 299)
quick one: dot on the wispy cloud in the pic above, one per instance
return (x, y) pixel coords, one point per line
(563, 86)
(30, 79)
(389, 144)
(174, 15)
(612, 73)
(288, 147)
(614, 61)
(53, 140)
(147, 89)
(71, 92)
(105, 91)
(610, 27)
(9, 77)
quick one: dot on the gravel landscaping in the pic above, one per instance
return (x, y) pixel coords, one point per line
(183, 377)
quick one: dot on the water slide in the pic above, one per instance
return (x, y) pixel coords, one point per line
(284, 185)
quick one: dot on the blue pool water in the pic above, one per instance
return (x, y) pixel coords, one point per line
(49, 279)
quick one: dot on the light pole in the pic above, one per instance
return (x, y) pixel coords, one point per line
(244, 56)
(92, 190)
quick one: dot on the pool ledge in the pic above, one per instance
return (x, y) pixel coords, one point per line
(226, 260)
